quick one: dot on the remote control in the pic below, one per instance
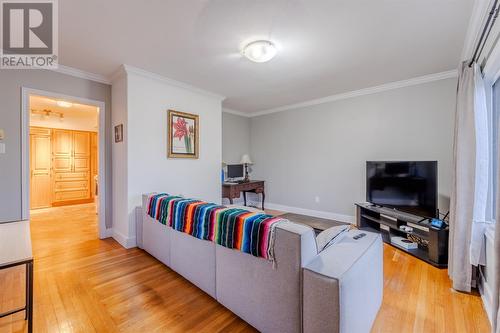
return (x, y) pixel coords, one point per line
(358, 236)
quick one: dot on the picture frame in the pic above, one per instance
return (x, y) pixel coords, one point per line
(119, 133)
(182, 135)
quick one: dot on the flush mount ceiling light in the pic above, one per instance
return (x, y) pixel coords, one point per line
(260, 51)
(64, 104)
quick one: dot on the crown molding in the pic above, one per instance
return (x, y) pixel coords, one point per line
(124, 69)
(76, 73)
(81, 74)
(480, 11)
(362, 92)
(237, 113)
(118, 73)
(138, 71)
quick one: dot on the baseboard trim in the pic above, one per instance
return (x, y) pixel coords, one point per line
(108, 233)
(309, 212)
(126, 242)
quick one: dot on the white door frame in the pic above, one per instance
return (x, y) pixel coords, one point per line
(25, 151)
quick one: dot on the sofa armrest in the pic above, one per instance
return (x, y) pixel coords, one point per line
(343, 285)
(308, 247)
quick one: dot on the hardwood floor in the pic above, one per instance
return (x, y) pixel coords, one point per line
(418, 298)
(83, 284)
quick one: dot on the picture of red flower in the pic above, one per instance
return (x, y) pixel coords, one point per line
(180, 128)
(182, 135)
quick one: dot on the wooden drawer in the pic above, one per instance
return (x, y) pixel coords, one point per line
(71, 195)
(259, 190)
(81, 164)
(72, 185)
(62, 164)
(251, 186)
(67, 176)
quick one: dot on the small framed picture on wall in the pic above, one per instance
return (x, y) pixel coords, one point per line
(182, 135)
(119, 133)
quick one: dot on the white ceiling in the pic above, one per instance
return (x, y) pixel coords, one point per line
(44, 103)
(326, 47)
(78, 116)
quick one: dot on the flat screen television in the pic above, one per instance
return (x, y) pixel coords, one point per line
(409, 186)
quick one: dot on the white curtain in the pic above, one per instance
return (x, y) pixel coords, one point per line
(469, 195)
(495, 327)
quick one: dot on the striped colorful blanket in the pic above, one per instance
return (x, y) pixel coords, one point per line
(233, 228)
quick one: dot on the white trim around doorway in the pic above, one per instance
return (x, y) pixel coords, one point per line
(25, 169)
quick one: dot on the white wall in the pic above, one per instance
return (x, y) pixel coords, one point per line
(235, 143)
(11, 82)
(235, 137)
(147, 167)
(319, 152)
(119, 96)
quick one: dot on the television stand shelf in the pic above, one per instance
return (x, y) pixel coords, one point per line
(433, 245)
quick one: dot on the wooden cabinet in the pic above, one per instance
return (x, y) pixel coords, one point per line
(62, 148)
(61, 164)
(40, 156)
(71, 156)
(81, 151)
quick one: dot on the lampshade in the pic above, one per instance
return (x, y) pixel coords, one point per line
(245, 159)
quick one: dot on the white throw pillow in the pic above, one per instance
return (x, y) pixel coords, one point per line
(331, 236)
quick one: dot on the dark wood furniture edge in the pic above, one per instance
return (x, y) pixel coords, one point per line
(437, 252)
(28, 307)
(232, 191)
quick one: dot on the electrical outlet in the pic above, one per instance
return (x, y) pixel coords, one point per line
(2, 134)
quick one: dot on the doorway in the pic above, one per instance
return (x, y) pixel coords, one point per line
(63, 157)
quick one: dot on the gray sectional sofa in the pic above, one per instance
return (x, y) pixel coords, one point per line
(336, 290)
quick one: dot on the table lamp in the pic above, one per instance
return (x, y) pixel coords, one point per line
(245, 159)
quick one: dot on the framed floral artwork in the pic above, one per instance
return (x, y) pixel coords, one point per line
(182, 135)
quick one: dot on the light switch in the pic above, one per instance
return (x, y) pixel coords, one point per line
(2, 134)
(2, 148)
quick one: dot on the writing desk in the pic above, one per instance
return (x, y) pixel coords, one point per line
(233, 190)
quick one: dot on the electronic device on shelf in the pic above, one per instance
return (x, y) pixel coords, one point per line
(407, 186)
(404, 243)
(406, 228)
(437, 223)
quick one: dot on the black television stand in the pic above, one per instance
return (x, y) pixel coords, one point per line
(433, 242)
